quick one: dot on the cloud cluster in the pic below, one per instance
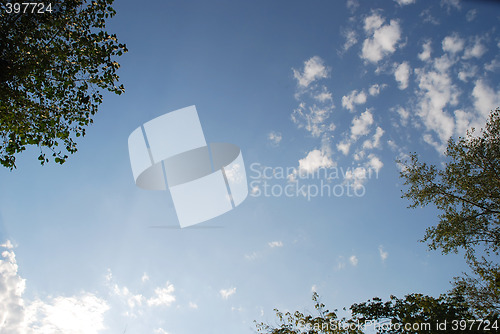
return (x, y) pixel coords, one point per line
(439, 94)
(74, 314)
(135, 303)
(314, 112)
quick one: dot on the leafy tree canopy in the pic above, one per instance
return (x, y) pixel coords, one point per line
(467, 192)
(416, 313)
(53, 68)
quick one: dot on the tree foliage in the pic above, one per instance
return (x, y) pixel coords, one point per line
(467, 192)
(53, 69)
(324, 322)
(415, 313)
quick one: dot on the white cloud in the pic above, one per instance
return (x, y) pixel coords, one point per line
(463, 122)
(404, 114)
(12, 286)
(352, 4)
(374, 163)
(350, 39)
(467, 72)
(429, 139)
(132, 300)
(82, 314)
(163, 296)
(160, 331)
(252, 256)
(356, 177)
(314, 288)
(353, 260)
(344, 146)
(437, 92)
(315, 160)
(373, 22)
(381, 40)
(314, 69)
(451, 4)
(233, 173)
(145, 277)
(361, 125)
(485, 98)
(471, 15)
(426, 51)
(74, 315)
(226, 293)
(353, 98)
(193, 305)
(383, 254)
(428, 18)
(375, 142)
(375, 89)
(453, 43)
(477, 50)
(340, 263)
(274, 137)
(402, 74)
(323, 96)
(273, 244)
(443, 63)
(492, 66)
(392, 145)
(255, 189)
(314, 119)
(405, 2)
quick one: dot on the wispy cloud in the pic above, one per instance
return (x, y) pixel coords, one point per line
(160, 331)
(405, 2)
(274, 137)
(383, 254)
(351, 39)
(313, 118)
(226, 293)
(164, 296)
(145, 278)
(274, 244)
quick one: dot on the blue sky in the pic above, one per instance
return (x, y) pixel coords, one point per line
(299, 86)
